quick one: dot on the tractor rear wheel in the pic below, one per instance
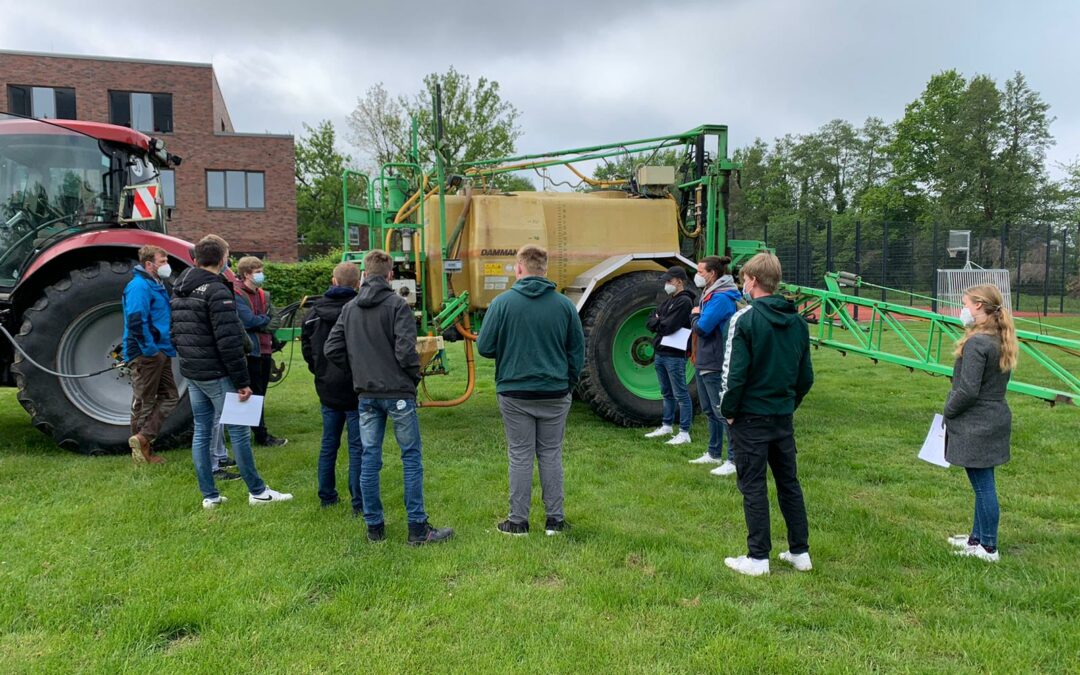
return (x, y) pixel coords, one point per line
(619, 379)
(76, 326)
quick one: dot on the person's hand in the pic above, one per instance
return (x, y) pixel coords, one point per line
(244, 394)
(695, 311)
(731, 420)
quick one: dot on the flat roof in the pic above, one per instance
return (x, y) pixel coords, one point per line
(116, 59)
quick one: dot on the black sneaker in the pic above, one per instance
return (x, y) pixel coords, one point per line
(376, 532)
(228, 461)
(553, 527)
(222, 474)
(273, 442)
(328, 503)
(424, 533)
(514, 529)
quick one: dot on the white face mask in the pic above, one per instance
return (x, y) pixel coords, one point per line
(670, 289)
(699, 280)
(967, 318)
(164, 271)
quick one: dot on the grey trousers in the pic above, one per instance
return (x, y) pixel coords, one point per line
(534, 428)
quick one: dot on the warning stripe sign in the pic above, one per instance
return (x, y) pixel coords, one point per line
(145, 203)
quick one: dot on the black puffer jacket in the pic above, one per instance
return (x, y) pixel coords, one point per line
(333, 385)
(206, 330)
(376, 336)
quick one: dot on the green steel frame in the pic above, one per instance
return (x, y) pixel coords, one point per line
(832, 326)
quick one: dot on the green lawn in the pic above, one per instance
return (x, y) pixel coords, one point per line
(106, 567)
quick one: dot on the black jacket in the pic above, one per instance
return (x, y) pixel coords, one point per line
(767, 369)
(333, 385)
(672, 314)
(376, 336)
(206, 330)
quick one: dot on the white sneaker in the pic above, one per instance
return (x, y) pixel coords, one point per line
(725, 469)
(800, 561)
(215, 502)
(748, 566)
(681, 438)
(267, 496)
(979, 552)
(663, 430)
(706, 459)
(959, 540)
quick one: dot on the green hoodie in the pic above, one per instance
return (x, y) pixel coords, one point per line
(534, 334)
(767, 368)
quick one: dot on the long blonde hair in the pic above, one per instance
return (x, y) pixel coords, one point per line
(999, 323)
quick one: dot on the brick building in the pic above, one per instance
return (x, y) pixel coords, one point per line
(241, 186)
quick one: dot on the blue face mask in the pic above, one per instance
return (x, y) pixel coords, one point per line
(258, 278)
(746, 294)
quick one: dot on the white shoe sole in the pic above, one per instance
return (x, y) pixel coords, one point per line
(706, 461)
(679, 442)
(730, 562)
(798, 567)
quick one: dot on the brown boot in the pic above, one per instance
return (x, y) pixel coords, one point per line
(140, 451)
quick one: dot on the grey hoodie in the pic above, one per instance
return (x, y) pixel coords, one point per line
(375, 339)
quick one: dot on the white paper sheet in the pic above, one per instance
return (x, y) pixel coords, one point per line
(244, 414)
(933, 448)
(676, 340)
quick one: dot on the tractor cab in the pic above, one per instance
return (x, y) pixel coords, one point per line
(62, 177)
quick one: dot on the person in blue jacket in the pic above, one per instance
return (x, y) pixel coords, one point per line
(710, 321)
(148, 352)
(259, 319)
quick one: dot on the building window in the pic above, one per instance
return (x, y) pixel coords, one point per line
(42, 102)
(235, 189)
(151, 113)
(168, 188)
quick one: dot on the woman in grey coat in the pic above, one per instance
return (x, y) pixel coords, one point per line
(978, 421)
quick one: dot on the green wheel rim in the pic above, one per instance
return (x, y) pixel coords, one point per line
(632, 356)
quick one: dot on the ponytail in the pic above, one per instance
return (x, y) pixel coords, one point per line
(998, 323)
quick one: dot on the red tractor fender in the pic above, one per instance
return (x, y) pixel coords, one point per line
(113, 238)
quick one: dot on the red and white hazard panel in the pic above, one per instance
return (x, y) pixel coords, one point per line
(145, 203)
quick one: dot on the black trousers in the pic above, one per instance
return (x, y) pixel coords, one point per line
(259, 372)
(765, 440)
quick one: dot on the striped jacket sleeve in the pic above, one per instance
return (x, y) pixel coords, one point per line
(736, 363)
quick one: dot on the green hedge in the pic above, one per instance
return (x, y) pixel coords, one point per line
(289, 282)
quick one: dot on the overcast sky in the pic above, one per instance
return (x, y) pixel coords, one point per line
(588, 71)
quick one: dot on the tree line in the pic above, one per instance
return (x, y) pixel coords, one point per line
(968, 153)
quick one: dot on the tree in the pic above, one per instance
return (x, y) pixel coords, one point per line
(1025, 130)
(477, 123)
(319, 166)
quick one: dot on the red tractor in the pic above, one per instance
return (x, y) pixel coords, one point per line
(77, 200)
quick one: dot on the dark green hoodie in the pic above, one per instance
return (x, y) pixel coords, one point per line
(534, 334)
(767, 368)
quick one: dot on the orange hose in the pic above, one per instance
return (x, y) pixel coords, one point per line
(463, 328)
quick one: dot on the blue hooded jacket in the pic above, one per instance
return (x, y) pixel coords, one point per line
(718, 305)
(147, 317)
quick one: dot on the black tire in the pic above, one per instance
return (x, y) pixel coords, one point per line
(83, 297)
(601, 318)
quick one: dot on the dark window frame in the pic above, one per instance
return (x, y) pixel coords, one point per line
(28, 92)
(225, 190)
(157, 99)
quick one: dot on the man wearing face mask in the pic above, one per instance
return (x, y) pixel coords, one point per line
(710, 320)
(148, 351)
(672, 315)
(257, 315)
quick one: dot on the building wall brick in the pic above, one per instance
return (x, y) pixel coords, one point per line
(199, 112)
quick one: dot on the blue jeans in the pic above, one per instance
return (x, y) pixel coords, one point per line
(373, 414)
(671, 372)
(987, 512)
(218, 453)
(333, 423)
(207, 399)
(708, 391)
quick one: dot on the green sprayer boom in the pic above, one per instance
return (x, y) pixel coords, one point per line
(919, 339)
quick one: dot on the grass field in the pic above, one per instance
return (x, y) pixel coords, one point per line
(106, 567)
